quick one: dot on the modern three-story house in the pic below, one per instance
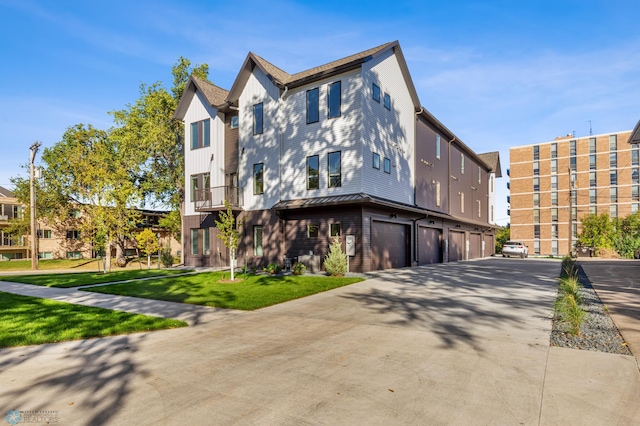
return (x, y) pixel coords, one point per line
(341, 150)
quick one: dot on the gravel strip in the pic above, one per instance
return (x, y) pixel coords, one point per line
(597, 332)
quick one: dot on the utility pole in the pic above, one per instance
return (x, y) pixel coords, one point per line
(570, 218)
(34, 236)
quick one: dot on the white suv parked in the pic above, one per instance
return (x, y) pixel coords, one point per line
(515, 248)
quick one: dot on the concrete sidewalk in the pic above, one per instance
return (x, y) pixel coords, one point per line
(461, 343)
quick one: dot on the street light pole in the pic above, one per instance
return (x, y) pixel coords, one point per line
(34, 236)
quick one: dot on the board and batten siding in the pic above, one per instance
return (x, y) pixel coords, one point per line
(200, 160)
(262, 148)
(389, 133)
(301, 140)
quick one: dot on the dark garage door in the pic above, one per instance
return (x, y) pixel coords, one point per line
(475, 246)
(389, 245)
(429, 246)
(489, 245)
(456, 246)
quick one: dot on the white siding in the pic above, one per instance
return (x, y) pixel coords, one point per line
(199, 160)
(492, 199)
(301, 140)
(390, 133)
(263, 148)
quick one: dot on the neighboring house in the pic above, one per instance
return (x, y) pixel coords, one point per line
(10, 208)
(343, 149)
(604, 173)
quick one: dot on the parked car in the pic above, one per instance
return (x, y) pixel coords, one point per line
(515, 248)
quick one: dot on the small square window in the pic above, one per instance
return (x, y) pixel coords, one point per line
(387, 101)
(312, 230)
(387, 165)
(375, 92)
(335, 230)
(376, 161)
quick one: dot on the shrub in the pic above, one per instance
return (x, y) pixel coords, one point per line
(272, 268)
(335, 262)
(299, 268)
(166, 258)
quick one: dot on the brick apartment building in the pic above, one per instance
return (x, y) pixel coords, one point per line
(603, 170)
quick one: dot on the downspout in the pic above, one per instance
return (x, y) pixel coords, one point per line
(416, 244)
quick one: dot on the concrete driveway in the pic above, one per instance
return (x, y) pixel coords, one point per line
(464, 343)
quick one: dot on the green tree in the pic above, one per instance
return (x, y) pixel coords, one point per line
(335, 262)
(502, 236)
(229, 232)
(627, 235)
(597, 231)
(148, 244)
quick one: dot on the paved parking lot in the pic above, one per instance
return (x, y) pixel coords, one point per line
(464, 343)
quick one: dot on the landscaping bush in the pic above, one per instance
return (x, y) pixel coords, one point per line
(299, 268)
(166, 258)
(273, 268)
(335, 262)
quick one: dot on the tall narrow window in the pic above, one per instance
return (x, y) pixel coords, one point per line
(613, 195)
(387, 165)
(206, 246)
(634, 154)
(613, 177)
(536, 215)
(479, 176)
(194, 241)
(234, 122)
(593, 197)
(257, 241)
(536, 184)
(592, 162)
(375, 92)
(536, 153)
(479, 208)
(461, 163)
(438, 194)
(635, 175)
(536, 231)
(635, 193)
(572, 163)
(313, 172)
(554, 150)
(613, 160)
(194, 187)
(206, 133)
(462, 202)
(554, 231)
(536, 168)
(376, 161)
(258, 119)
(592, 145)
(335, 169)
(200, 134)
(554, 214)
(613, 211)
(613, 143)
(554, 182)
(593, 181)
(572, 147)
(536, 199)
(554, 166)
(554, 198)
(313, 105)
(335, 99)
(258, 178)
(387, 101)
(437, 146)
(194, 136)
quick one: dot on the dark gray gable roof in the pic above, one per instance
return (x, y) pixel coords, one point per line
(5, 193)
(635, 134)
(493, 160)
(215, 96)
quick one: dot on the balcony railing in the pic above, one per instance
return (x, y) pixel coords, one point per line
(4, 217)
(212, 199)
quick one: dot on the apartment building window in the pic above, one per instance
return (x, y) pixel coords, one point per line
(536, 247)
(634, 207)
(574, 197)
(312, 230)
(635, 175)
(206, 244)
(554, 214)
(613, 211)
(593, 197)
(593, 181)
(536, 200)
(74, 255)
(554, 231)
(572, 163)
(593, 210)
(613, 143)
(194, 242)
(634, 154)
(572, 147)
(44, 233)
(200, 183)
(536, 153)
(554, 150)
(387, 165)
(491, 185)
(462, 202)
(200, 134)
(613, 177)
(438, 194)
(257, 241)
(234, 122)
(313, 172)
(313, 105)
(536, 184)
(258, 119)
(536, 231)
(334, 230)
(491, 214)
(258, 179)
(376, 161)
(375, 92)
(635, 193)
(554, 247)
(613, 160)
(45, 255)
(461, 163)
(479, 208)
(335, 169)
(613, 195)
(479, 176)
(554, 182)
(387, 101)
(73, 234)
(536, 168)
(536, 215)
(437, 146)
(592, 145)
(592, 162)
(574, 213)
(554, 198)
(335, 99)
(554, 166)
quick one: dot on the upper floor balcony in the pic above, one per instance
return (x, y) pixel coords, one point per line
(212, 199)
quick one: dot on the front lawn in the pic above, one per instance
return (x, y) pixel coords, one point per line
(88, 278)
(49, 264)
(26, 320)
(257, 291)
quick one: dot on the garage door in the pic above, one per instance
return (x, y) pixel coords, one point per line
(475, 246)
(389, 245)
(489, 246)
(456, 246)
(429, 246)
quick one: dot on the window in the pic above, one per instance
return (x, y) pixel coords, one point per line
(479, 208)
(313, 105)
(536, 199)
(554, 247)
(536, 231)
(572, 147)
(593, 196)
(635, 193)
(613, 160)
(613, 211)
(635, 207)
(613, 177)
(491, 183)
(574, 196)
(574, 213)
(461, 163)
(194, 242)
(593, 210)
(479, 175)
(74, 255)
(313, 172)
(335, 169)
(536, 184)
(592, 162)
(258, 179)
(572, 163)
(234, 122)
(593, 181)
(462, 202)
(536, 247)
(554, 166)
(257, 241)
(536, 215)
(554, 198)
(375, 92)
(613, 143)
(554, 231)
(387, 101)
(387, 165)
(44, 233)
(437, 146)
(635, 175)
(554, 182)
(199, 187)
(634, 154)
(376, 161)
(536, 168)
(554, 214)
(73, 235)
(45, 255)
(491, 214)
(258, 119)
(335, 230)
(613, 195)
(74, 214)
(592, 145)
(200, 134)
(312, 230)
(334, 99)
(206, 245)
(554, 150)
(438, 194)
(536, 153)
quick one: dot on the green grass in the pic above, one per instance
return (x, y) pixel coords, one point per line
(28, 320)
(257, 291)
(88, 278)
(25, 265)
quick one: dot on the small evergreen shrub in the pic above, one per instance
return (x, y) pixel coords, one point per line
(272, 268)
(299, 268)
(166, 258)
(335, 262)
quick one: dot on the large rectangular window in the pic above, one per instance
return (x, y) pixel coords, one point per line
(313, 105)
(257, 241)
(613, 160)
(200, 134)
(592, 162)
(200, 184)
(73, 235)
(375, 92)
(554, 150)
(334, 99)
(313, 172)
(258, 119)
(554, 166)
(437, 146)
(613, 195)
(312, 230)
(334, 230)
(613, 143)
(335, 169)
(258, 178)
(536, 153)
(592, 145)
(194, 241)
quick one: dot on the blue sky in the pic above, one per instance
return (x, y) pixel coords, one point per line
(498, 74)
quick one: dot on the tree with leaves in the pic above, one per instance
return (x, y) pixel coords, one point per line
(597, 231)
(148, 244)
(229, 232)
(502, 236)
